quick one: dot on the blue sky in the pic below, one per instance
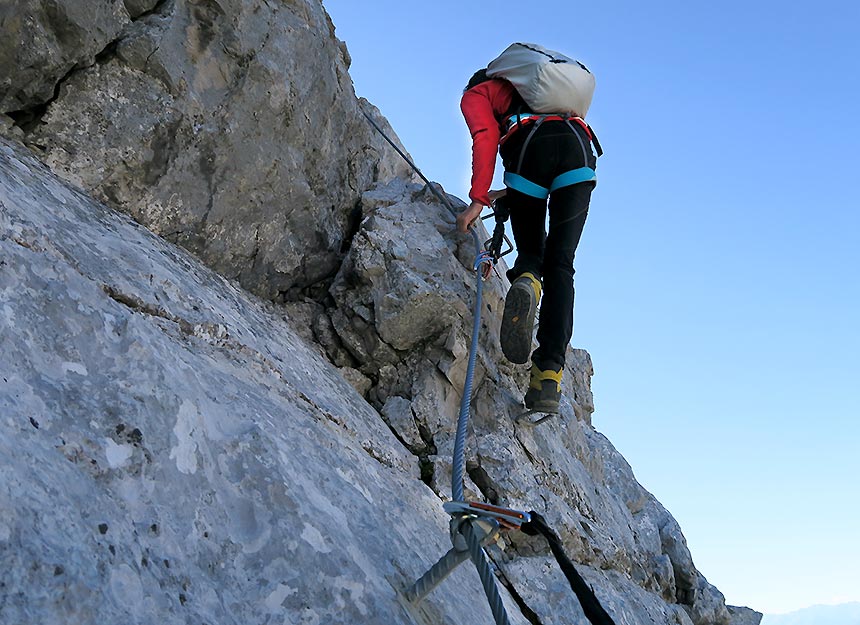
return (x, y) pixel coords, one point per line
(716, 284)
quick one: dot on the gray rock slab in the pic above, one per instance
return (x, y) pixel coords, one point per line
(744, 616)
(230, 128)
(44, 40)
(173, 449)
(408, 284)
(172, 452)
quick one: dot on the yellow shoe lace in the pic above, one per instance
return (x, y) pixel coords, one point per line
(539, 376)
(536, 284)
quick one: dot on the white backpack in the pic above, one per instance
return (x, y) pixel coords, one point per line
(548, 81)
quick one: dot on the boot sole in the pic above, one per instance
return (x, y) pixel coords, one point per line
(518, 324)
(547, 407)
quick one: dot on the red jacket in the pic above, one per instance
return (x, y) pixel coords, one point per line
(483, 107)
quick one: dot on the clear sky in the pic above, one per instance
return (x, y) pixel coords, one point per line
(717, 279)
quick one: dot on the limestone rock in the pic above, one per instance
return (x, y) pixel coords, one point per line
(360, 382)
(229, 127)
(301, 317)
(325, 334)
(136, 8)
(172, 452)
(406, 251)
(9, 129)
(173, 449)
(43, 40)
(397, 413)
(214, 468)
(744, 616)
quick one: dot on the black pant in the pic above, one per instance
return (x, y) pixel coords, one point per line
(553, 149)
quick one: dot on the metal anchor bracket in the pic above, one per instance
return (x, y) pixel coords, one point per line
(486, 530)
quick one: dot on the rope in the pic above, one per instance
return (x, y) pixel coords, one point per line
(459, 461)
(458, 468)
(414, 167)
(488, 580)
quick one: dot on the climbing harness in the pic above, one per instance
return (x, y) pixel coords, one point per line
(514, 180)
(473, 524)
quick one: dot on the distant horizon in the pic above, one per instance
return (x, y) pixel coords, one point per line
(837, 604)
(818, 614)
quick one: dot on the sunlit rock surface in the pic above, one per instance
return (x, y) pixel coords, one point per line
(44, 40)
(173, 451)
(229, 127)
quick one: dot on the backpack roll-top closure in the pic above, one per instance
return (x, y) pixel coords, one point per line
(548, 81)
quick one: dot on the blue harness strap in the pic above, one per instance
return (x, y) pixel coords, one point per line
(568, 178)
(574, 176)
(526, 187)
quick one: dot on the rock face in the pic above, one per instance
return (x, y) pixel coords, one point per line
(229, 127)
(173, 451)
(43, 41)
(744, 616)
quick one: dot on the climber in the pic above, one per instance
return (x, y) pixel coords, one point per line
(545, 156)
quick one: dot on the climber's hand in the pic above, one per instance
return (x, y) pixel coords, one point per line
(468, 216)
(495, 195)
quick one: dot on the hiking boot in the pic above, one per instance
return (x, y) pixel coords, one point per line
(518, 319)
(544, 391)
